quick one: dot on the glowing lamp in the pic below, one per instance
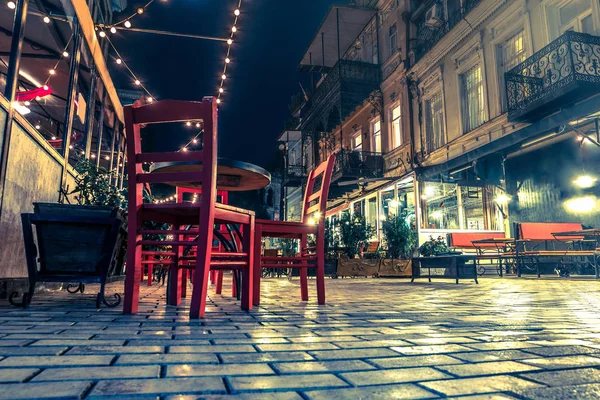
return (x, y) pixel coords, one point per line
(102, 34)
(233, 29)
(137, 82)
(502, 199)
(221, 90)
(227, 60)
(585, 181)
(188, 123)
(236, 12)
(581, 205)
(65, 54)
(437, 215)
(12, 5)
(113, 29)
(140, 10)
(311, 221)
(223, 76)
(46, 19)
(119, 61)
(230, 41)
(197, 124)
(127, 24)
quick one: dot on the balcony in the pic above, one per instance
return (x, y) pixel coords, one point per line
(353, 165)
(345, 87)
(562, 73)
(293, 175)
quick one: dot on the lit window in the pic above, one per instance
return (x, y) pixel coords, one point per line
(434, 122)
(376, 133)
(396, 131)
(472, 99)
(511, 53)
(357, 142)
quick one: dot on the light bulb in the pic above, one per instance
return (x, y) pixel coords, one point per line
(38, 126)
(11, 5)
(223, 76)
(93, 155)
(65, 54)
(46, 19)
(82, 152)
(53, 137)
(127, 24)
(188, 123)
(229, 41)
(140, 10)
(233, 29)
(71, 147)
(197, 124)
(585, 181)
(137, 82)
(113, 29)
(27, 103)
(218, 101)
(236, 12)
(52, 72)
(107, 158)
(102, 34)
(45, 87)
(119, 61)
(194, 140)
(184, 149)
(150, 99)
(221, 90)
(227, 60)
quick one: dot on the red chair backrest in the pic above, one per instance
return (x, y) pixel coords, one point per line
(173, 111)
(315, 200)
(465, 239)
(543, 230)
(221, 194)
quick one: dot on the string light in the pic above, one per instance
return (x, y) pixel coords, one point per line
(140, 10)
(127, 24)
(137, 82)
(102, 34)
(197, 124)
(233, 29)
(150, 99)
(52, 71)
(227, 60)
(221, 90)
(230, 41)
(119, 61)
(65, 53)
(46, 19)
(37, 126)
(188, 123)
(223, 76)
(113, 29)
(11, 5)
(236, 13)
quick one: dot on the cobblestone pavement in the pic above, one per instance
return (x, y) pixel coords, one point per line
(375, 339)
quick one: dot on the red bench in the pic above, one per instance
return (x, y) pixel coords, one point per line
(536, 240)
(463, 241)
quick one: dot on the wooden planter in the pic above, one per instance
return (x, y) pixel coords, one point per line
(357, 267)
(75, 244)
(402, 268)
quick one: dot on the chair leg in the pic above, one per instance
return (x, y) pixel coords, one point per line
(212, 277)
(184, 275)
(234, 288)
(134, 266)
(248, 271)
(203, 255)
(144, 258)
(257, 264)
(219, 283)
(303, 273)
(320, 273)
(150, 274)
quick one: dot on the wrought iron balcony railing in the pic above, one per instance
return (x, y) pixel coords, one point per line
(293, 175)
(346, 85)
(358, 164)
(565, 71)
(429, 35)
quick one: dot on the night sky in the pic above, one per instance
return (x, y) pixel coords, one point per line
(271, 39)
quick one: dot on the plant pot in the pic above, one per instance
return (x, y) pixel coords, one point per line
(77, 244)
(395, 268)
(330, 270)
(357, 267)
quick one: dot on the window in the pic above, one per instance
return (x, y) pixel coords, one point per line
(376, 133)
(576, 15)
(393, 36)
(434, 122)
(473, 110)
(357, 142)
(511, 53)
(396, 129)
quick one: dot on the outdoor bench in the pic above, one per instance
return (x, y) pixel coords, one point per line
(487, 246)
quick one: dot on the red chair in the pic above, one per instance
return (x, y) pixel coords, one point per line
(312, 223)
(204, 214)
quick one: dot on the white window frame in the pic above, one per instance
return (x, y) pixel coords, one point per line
(393, 49)
(464, 105)
(373, 136)
(394, 142)
(431, 86)
(551, 17)
(514, 19)
(426, 107)
(353, 137)
(466, 58)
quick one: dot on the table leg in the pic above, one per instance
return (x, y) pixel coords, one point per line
(456, 267)
(429, 272)
(248, 272)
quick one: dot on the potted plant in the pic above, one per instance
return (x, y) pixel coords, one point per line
(354, 235)
(434, 247)
(400, 243)
(77, 243)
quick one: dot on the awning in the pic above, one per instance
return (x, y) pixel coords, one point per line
(343, 23)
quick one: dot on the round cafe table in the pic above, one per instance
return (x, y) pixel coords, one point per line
(232, 175)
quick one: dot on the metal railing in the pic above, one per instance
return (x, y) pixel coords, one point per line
(573, 57)
(293, 173)
(360, 164)
(428, 36)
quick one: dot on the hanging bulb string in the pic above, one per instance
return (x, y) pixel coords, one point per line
(194, 140)
(130, 71)
(236, 14)
(134, 14)
(62, 56)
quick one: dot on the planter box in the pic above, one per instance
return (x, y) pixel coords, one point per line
(395, 268)
(77, 244)
(357, 267)
(330, 270)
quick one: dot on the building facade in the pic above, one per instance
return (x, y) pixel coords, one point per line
(481, 113)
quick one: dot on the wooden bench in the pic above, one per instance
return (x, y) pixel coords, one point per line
(463, 241)
(537, 241)
(371, 249)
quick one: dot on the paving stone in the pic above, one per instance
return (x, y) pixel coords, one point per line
(500, 345)
(266, 357)
(244, 396)
(32, 351)
(60, 342)
(319, 339)
(322, 366)
(364, 344)
(354, 353)
(218, 370)
(16, 375)
(487, 368)
(297, 347)
(213, 349)
(414, 361)
(579, 392)
(383, 377)
(560, 350)
(138, 359)
(298, 382)
(490, 384)
(391, 392)
(158, 386)
(490, 396)
(43, 390)
(47, 361)
(565, 377)
(440, 349)
(494, 355)
(98, 373)
(560, 362)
